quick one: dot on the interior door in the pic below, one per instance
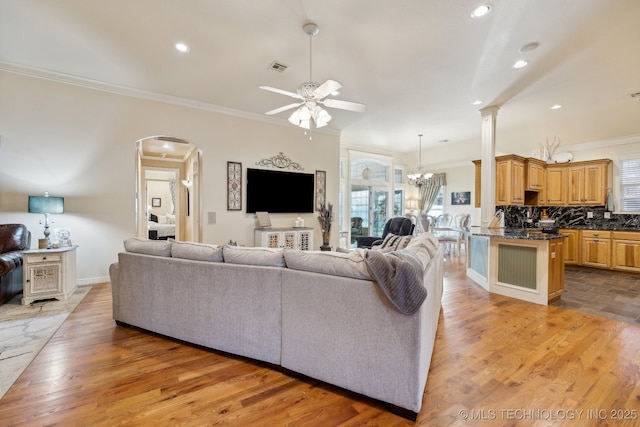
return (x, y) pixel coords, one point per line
(371, 204)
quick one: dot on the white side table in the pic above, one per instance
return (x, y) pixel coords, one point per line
(48, 274)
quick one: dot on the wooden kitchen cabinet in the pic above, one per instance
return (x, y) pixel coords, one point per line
(596, 248)
(478, 186)
(556, 185)
(536, 171)
(556, 269)
(510, 180)
(571, 246)
(625, 251)
(587, 183)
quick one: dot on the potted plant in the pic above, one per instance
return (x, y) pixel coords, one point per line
(325, 218)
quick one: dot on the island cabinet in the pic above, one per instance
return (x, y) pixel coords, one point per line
(556, 194)
(588, 183)
(556, 269)
(571, 246)
(596, 248)
(510, 180)
(625, 254)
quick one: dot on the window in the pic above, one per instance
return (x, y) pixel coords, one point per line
(438, 205)
(398, 177)
(398, 203)
(630, 183)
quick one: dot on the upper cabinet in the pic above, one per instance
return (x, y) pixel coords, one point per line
(527, 181)
(588, 182)
(510, 180)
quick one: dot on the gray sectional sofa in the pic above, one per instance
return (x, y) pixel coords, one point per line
(315, 314)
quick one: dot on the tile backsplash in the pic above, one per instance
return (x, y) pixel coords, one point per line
(569, 216)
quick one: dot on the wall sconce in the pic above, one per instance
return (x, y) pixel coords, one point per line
(46, 205)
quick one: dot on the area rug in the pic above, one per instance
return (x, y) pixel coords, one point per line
(25, 329)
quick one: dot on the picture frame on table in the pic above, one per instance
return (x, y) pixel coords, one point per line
(62, 236)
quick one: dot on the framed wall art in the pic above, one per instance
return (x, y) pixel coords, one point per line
(321, 189)
(461, 197)
(156, 202)
(234, 186)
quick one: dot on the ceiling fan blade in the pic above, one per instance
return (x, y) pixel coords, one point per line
(326, 88)
(344, 105)
(282, 92)
(281, 109)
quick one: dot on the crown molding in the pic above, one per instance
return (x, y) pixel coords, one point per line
(69, 79)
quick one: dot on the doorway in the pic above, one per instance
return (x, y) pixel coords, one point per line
(370, 205)
(168, 189)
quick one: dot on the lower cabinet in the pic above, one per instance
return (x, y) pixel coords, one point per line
(293, 238)
(625, 253)
(596, 248)
(571, 246)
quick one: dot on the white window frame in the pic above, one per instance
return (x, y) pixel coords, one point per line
(622, 183)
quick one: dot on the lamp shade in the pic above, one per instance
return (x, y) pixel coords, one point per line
(46, 204)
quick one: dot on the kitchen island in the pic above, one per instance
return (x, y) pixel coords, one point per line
(520, 263)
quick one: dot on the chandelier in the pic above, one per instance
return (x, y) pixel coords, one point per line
(418, 178)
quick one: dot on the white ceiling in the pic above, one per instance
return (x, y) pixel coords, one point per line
(416, 64)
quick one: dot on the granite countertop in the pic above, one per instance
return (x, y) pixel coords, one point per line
(514, 233)
(612, 227)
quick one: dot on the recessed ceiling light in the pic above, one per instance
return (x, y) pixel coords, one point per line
(556, 106)
(442, 141)
(182, 47)
(481, 11)
(520, 63)
(477, 102)
(529, 47)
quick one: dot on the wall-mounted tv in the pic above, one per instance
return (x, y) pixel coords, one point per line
(279, 192)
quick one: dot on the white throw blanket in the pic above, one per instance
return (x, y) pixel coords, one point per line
(399, 274)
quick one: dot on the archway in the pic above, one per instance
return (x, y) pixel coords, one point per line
(167, 188)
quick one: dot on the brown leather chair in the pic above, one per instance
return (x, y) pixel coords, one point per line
(14, 240)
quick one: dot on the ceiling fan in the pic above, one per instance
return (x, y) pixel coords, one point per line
(312, 96)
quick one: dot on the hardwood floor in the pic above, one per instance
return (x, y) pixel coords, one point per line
(497, 361)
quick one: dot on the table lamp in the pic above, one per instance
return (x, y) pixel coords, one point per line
(46, 205)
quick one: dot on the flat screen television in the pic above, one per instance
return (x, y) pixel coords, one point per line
(279, 192)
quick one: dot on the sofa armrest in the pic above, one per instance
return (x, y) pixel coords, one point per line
(367, 241)
(9, 261)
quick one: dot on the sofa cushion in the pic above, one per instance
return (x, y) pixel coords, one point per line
(253, 256)
(148, 247)
(425, 246)
(196, 251)
(333, 263)
(394, 242)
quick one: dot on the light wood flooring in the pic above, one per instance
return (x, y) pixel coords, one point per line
(497, 361)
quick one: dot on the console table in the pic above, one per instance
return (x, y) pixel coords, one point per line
(293, 238)
(49, 274)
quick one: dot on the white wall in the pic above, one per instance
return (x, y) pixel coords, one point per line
(79, 143)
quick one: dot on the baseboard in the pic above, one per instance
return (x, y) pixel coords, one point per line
(92, 281)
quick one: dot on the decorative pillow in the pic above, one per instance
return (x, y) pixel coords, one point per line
(196, 251)
(253, 256)
(349, 264)
(148, 247)
(153, 218)
(424, 245)
(170, 219)
(394, 242)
